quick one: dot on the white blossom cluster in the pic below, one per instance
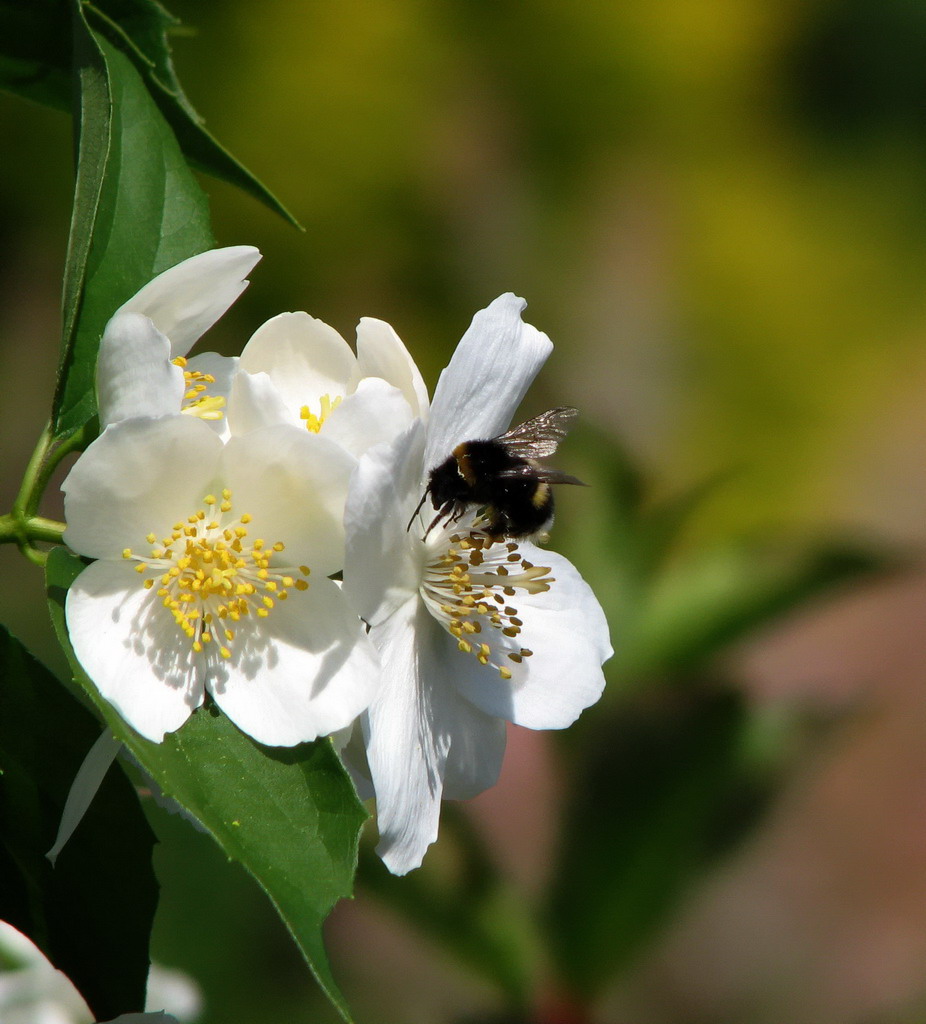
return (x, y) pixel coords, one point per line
(224, 494)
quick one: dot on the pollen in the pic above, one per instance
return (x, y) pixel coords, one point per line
(471, 586)
(314, 423)
(208, 569)
(196, 398)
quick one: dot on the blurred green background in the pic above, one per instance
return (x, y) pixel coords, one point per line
(717, 211)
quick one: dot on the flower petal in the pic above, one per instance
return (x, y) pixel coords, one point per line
(375, 413)
(380, 353)
(380, 572)
(138, 476)
(418, 732)
(304, 671)
(131, 648)
(349, 745)
(254, 402)
(566, 630)
(134, 374)
(294, 484)
(304, 358)
(186, 300)
(84, 788)
(485, 380)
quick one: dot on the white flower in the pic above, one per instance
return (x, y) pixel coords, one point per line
(471, 633)
(201, 583)
(32, 991)
(142, 369)
(298, 370)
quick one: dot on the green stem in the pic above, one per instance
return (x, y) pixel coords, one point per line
(27, 489)
(26, 531)
(21, 525)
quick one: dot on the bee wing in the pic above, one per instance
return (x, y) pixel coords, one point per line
(553, 476)
(539, 437)
(550, 476)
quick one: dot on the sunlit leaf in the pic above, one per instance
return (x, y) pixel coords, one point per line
(290, 816)
(92, 913)
(35, 62)
(137, 211)
(140, 29)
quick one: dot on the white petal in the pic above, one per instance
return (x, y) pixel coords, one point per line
(419, 733)
(404, 754)
(138, 476)
(565, 629)
(134, 374)
(186, 300)
(254, 402)
(304, 671)
(380, 353)
(477, 751)
(83, 789)
(131, 648)
(304, 358)
(349, 745)
(484, 382)
(374, 414)
(380, 571)
(294, 484)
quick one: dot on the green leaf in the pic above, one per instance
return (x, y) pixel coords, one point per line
(140, 28)
(92, 913)
(137, 211)
(290, 816)
(667, 788)
(35, 59)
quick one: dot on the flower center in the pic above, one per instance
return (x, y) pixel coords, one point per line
(471, 587)
(313, 422)
(196, 399)
(210, 574)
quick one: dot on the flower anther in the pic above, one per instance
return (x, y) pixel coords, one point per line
(315, 423)
(470, 585)
(196, 398)
(209, 574)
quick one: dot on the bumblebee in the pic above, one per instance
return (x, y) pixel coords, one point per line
(501, 475)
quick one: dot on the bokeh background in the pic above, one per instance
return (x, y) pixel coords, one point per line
(717, 211)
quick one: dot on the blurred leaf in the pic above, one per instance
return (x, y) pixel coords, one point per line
(35, 63)
(290, 816)
(35, 51)
(674, 607)
(137, 211)
(668, 789)
(720, 597)
(92, 913)
(472, 915)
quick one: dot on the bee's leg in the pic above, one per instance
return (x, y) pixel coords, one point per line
(497, 526)
(442, 514)
(458, 511)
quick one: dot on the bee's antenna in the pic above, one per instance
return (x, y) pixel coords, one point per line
(417, 510)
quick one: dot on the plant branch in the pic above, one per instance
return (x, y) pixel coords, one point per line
(21, 525)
